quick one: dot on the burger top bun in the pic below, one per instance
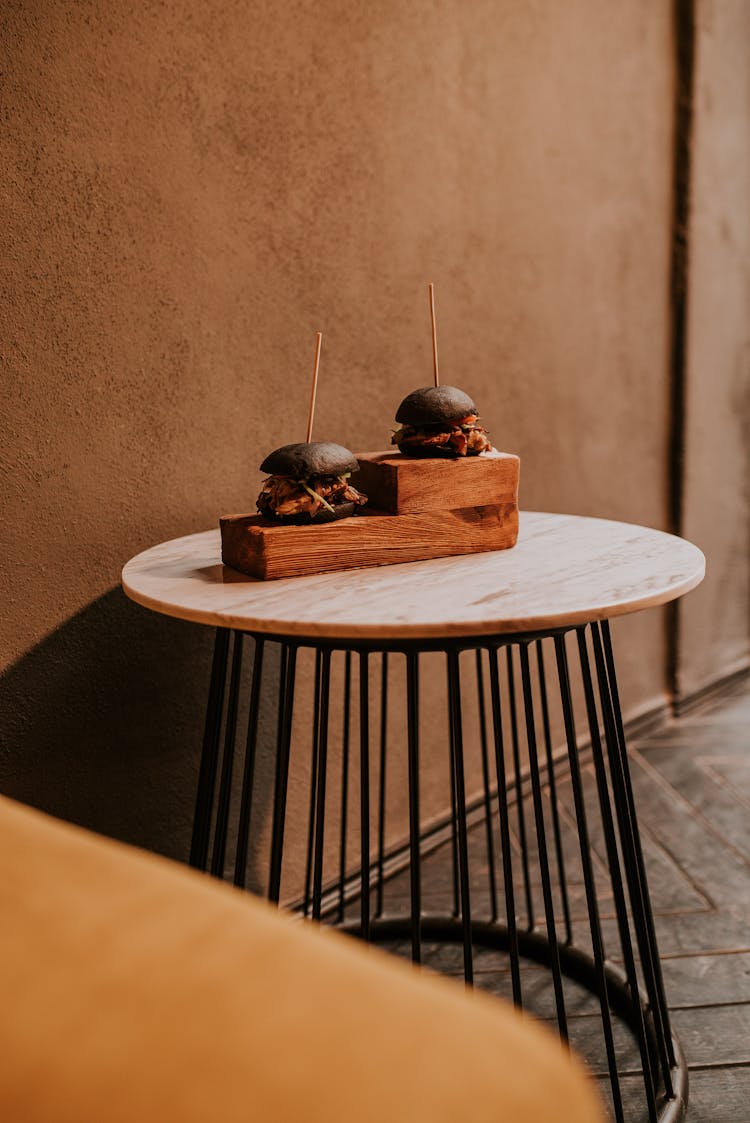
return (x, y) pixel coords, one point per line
(316, 458)
(433, 405)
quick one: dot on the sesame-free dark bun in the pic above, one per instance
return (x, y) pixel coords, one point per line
(433, 405)
(318, 458)
(340, 511)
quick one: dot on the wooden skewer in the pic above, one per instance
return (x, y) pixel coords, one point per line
(431, 288)
(314, 390)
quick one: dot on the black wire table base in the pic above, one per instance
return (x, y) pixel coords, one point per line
(531, 797)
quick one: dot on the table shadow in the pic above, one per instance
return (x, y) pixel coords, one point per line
(220, 574)
(101, 724)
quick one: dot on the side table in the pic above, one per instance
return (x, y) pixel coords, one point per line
(551, 595)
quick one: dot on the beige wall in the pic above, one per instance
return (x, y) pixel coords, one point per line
(191, 191)
(714, 622)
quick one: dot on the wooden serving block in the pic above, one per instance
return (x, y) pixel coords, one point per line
(402, 485)
(258, 548)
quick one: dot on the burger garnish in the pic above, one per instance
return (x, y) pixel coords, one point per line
(309, 482)
(440, 421)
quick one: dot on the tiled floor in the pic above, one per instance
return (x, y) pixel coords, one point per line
(693, 790)
(692, 787)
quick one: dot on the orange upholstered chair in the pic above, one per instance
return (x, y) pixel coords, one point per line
(137, 991)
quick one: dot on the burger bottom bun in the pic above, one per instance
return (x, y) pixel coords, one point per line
(427, 452)
(340, 511)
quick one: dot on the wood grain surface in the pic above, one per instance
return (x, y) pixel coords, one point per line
(564, 570)
(251, 545)
(401, 485)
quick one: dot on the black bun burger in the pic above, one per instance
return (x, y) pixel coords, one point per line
(309, 482)
(439, 421)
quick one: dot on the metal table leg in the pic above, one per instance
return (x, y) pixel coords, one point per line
(519, 697)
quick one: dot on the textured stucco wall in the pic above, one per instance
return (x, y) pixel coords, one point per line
(715, 622)
(191, 191)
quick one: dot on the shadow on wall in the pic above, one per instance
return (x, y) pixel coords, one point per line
(101, 723)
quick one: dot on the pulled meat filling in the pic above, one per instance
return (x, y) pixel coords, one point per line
(461, 438)
(282, 496)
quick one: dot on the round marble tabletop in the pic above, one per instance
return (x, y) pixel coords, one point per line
(565, 570)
